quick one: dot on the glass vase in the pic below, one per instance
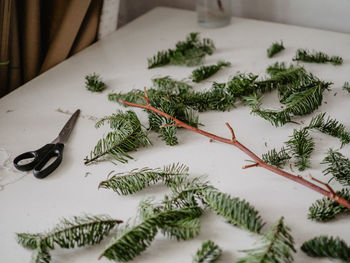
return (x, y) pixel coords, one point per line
(213, 13)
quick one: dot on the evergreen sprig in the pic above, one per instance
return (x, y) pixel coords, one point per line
(138, 179)
(275, 158)
(205, 72)
(330, 247)
(127, 136)
(331, 127)
(277, 246)
(190, 52)
(274, 49)
(338, 167)
(316, 57)
(93, 82)
(208, 253)
(326, 209)
(167, 84)
(77, 232)
(301, 146)
(346, 86)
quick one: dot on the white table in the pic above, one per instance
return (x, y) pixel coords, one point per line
(29, 118)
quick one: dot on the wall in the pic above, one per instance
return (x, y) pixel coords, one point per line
(325, 14)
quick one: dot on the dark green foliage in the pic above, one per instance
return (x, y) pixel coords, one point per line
(138, 179)
(277, 246)
(329, 247)
(301, 146)
(338, 167)
(127, 136)
(132, 240)
(190, 52)
(237, 212)
(274, 49)
(275, 158)
(346, 86)
(93, 82)
(167, 84)
(316, 57)
(326, 209)
(78, 232)
(208, 253)
(331, 127)
(205, 72)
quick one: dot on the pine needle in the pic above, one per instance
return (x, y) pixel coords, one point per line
(277, 246)
(275, 48)
(94, 83)
(326, 209)
(208, 253)
(329, 247)
(205, 72)
(316, 57)
(338, 167)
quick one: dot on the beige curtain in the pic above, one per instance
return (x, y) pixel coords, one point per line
(36, 35)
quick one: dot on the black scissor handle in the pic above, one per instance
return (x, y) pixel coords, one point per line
(36, 155)
(56, 151)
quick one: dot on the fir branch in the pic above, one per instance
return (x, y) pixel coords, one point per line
(275, 48)
(205, 72)
(316, 57)
(326, 209)
(170, 85)
(138, 179)
(190, 52)
(41, 255)
(329, 247)
(338, 167)
(237, 212)
(94, 83)
(208, 253)
(184, 229)
(275, 158)
(126, 137)
(331, 127)
(346, 86)
(277, 246)
(301, 146)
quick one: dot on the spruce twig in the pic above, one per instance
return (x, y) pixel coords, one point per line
(275, 158)
(94, 83)
(316, 57)
(205, 72)
(277, 246)
(275, 48)
(338, 167)
(301, 146)
(346, 86)
(208, 253)
(326, 209)
(329, 247)
(236, 143)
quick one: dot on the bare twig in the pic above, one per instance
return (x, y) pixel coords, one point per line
(258, 162)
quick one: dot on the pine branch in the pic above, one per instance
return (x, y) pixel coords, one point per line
(326, 209)
(316, 57)
(301, 146)
(190, 52)
(171, 86)
(331, 127)
(41, 255)
(205, 72)
(94, 83)
(132, 240)
(338, 167)
(208, 253)
(184, 229)
(329, 247)
(277, 246)
(275, 158)
(136, 180)
(126, 137)
(275, 48)
(346, 86)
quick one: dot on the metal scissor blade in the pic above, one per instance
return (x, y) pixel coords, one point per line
(68, 127)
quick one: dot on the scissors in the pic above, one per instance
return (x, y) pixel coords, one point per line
(43, 155)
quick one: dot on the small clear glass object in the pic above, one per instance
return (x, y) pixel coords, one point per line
(214, 13)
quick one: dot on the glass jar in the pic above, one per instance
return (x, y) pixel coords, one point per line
(214, 13)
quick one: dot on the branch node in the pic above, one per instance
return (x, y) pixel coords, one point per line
(232, 131)
(146, 96)
(333, 194)
(211, 140)
(250, 165)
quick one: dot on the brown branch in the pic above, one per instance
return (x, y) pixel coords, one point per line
(325, 184)
(244, 149)
(250, 165)
(232, 131)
